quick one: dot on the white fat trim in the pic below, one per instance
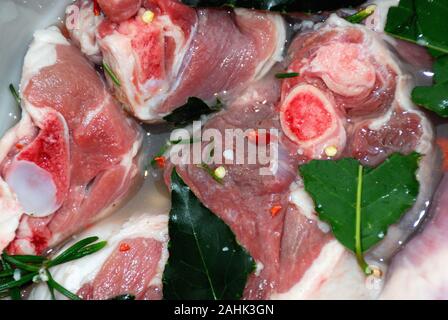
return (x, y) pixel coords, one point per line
(334, 274)
(265, 65)
(157, 280)
(320, 269)
(117, 53)
(182, 45)
(258, 268)
(85, 30)
(91, 114)
(425, 278)
(23, 128)
(38, 114)
(42, 52)
(377, 21)
(128, 159)
(304, 203)
(378, 123)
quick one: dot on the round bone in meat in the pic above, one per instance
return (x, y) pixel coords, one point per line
(344, 69)
(309, 118)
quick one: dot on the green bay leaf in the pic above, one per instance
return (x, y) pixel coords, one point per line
(420, 21)
(205, 261)
(388, 191)
(435, 97)
(431, 18)
(191, 111)
(425, 22)
(440, 68)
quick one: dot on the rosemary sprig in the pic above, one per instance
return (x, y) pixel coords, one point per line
(13, 293)
(73, 253)
(19, 264)
(111, 74)
(37, 268)
(14, 93)
(286, 75)
(29, 258)
(56, 286)
(6, 273)
(18, 283)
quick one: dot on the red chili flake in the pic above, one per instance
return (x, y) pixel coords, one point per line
(96, 8)
(124, 247)
(161, 161)
(255, 136)
(275, 210)
(19, 146)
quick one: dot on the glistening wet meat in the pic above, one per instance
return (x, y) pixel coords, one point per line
(172, 53)
(120, 10)
(272, 215)
(131, 263)
(245, 198)
(418, 271)
(72, 158)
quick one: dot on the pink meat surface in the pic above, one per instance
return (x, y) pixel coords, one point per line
(79, 157)
(132, 262)
(128, 270)
(364, 113)
(245, 198)
(359, 92)
(162, 63)
(419, 270)
(360, 82)
(120, 10)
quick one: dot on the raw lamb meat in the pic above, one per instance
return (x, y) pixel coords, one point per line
(362, 90)
(120, 10)
(419, 271)
(365, 113)
(131, 263)
(163, 62)
(289, 242)
(72, 158)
